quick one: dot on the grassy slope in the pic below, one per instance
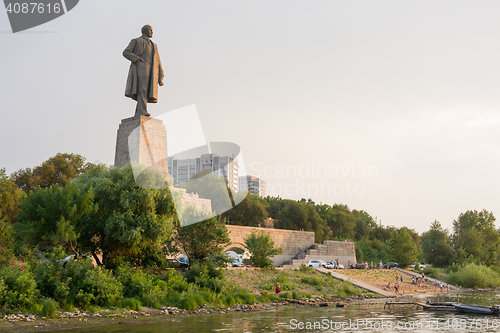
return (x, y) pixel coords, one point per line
(307, 282)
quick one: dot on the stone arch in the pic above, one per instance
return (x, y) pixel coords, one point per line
(236, 245)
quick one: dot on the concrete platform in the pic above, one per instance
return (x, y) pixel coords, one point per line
(356, 282)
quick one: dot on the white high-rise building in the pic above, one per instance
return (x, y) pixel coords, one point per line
(222, 166)
(253, 185)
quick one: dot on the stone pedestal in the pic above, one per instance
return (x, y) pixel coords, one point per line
(143, 140)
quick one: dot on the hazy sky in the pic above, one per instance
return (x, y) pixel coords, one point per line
(395, 104)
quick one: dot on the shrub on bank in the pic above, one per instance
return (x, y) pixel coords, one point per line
(131, 304)
(18, 288)
(474, 276)
(49, 308)
(77, 282)
(285, 295)
(245, 298)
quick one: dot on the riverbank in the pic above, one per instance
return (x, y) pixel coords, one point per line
(300, 287)
(304, 286)
(81, 319)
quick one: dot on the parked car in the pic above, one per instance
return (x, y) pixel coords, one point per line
(420, 266)
(328, 265)
(391, 265)
(331, 265)
(237, 259)
(316, 263)
(174, 263)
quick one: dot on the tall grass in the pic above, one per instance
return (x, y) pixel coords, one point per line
(49, 308)
(132, 304)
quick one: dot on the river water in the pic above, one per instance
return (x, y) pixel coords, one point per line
(368, 316)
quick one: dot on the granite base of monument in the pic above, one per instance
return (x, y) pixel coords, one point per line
(142, 140)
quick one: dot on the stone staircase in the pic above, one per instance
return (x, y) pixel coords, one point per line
(327, 251)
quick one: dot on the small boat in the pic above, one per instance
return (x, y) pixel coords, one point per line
(467, 308)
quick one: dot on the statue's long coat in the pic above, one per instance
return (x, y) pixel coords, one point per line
(133, 52)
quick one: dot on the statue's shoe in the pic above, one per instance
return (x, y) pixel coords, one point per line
(148, 114)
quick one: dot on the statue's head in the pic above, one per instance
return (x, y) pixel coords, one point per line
(147, 30)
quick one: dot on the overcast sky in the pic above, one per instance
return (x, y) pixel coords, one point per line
(398, 101)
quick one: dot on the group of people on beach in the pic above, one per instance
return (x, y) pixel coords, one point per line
(397, 285)
(419, 282)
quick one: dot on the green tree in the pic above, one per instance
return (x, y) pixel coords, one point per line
(59, 169)
(274, 206)
(403, 248)
(249, 212)
(381, 233)
(475, 237)
(10, 196)
(131, 224)
(261, 247)
(341, 221)
(436, 246)
(201, 240)
(364, 225)
(294, 216)
(5, 240)
(51, 217)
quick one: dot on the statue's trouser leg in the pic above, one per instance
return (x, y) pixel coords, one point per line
(143, 76)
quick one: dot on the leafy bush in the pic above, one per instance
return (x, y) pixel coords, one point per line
(305, 269)
(230, 301)
(97, 284)
(349, 288)
(306, 295)
(132, 304)
(311, 280)
(135, 282)
(36, 308)
(431, 272)
(474, 276)
(189, 303)
(77, 283)
(268, 297)
(295, 295)
(245, 298)
(285, 295)
(175, 281)
(18, 288)
(206, 275)
(49, 308)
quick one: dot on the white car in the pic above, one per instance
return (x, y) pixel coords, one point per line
(328, 265)
(316, 263)
(420, 266)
